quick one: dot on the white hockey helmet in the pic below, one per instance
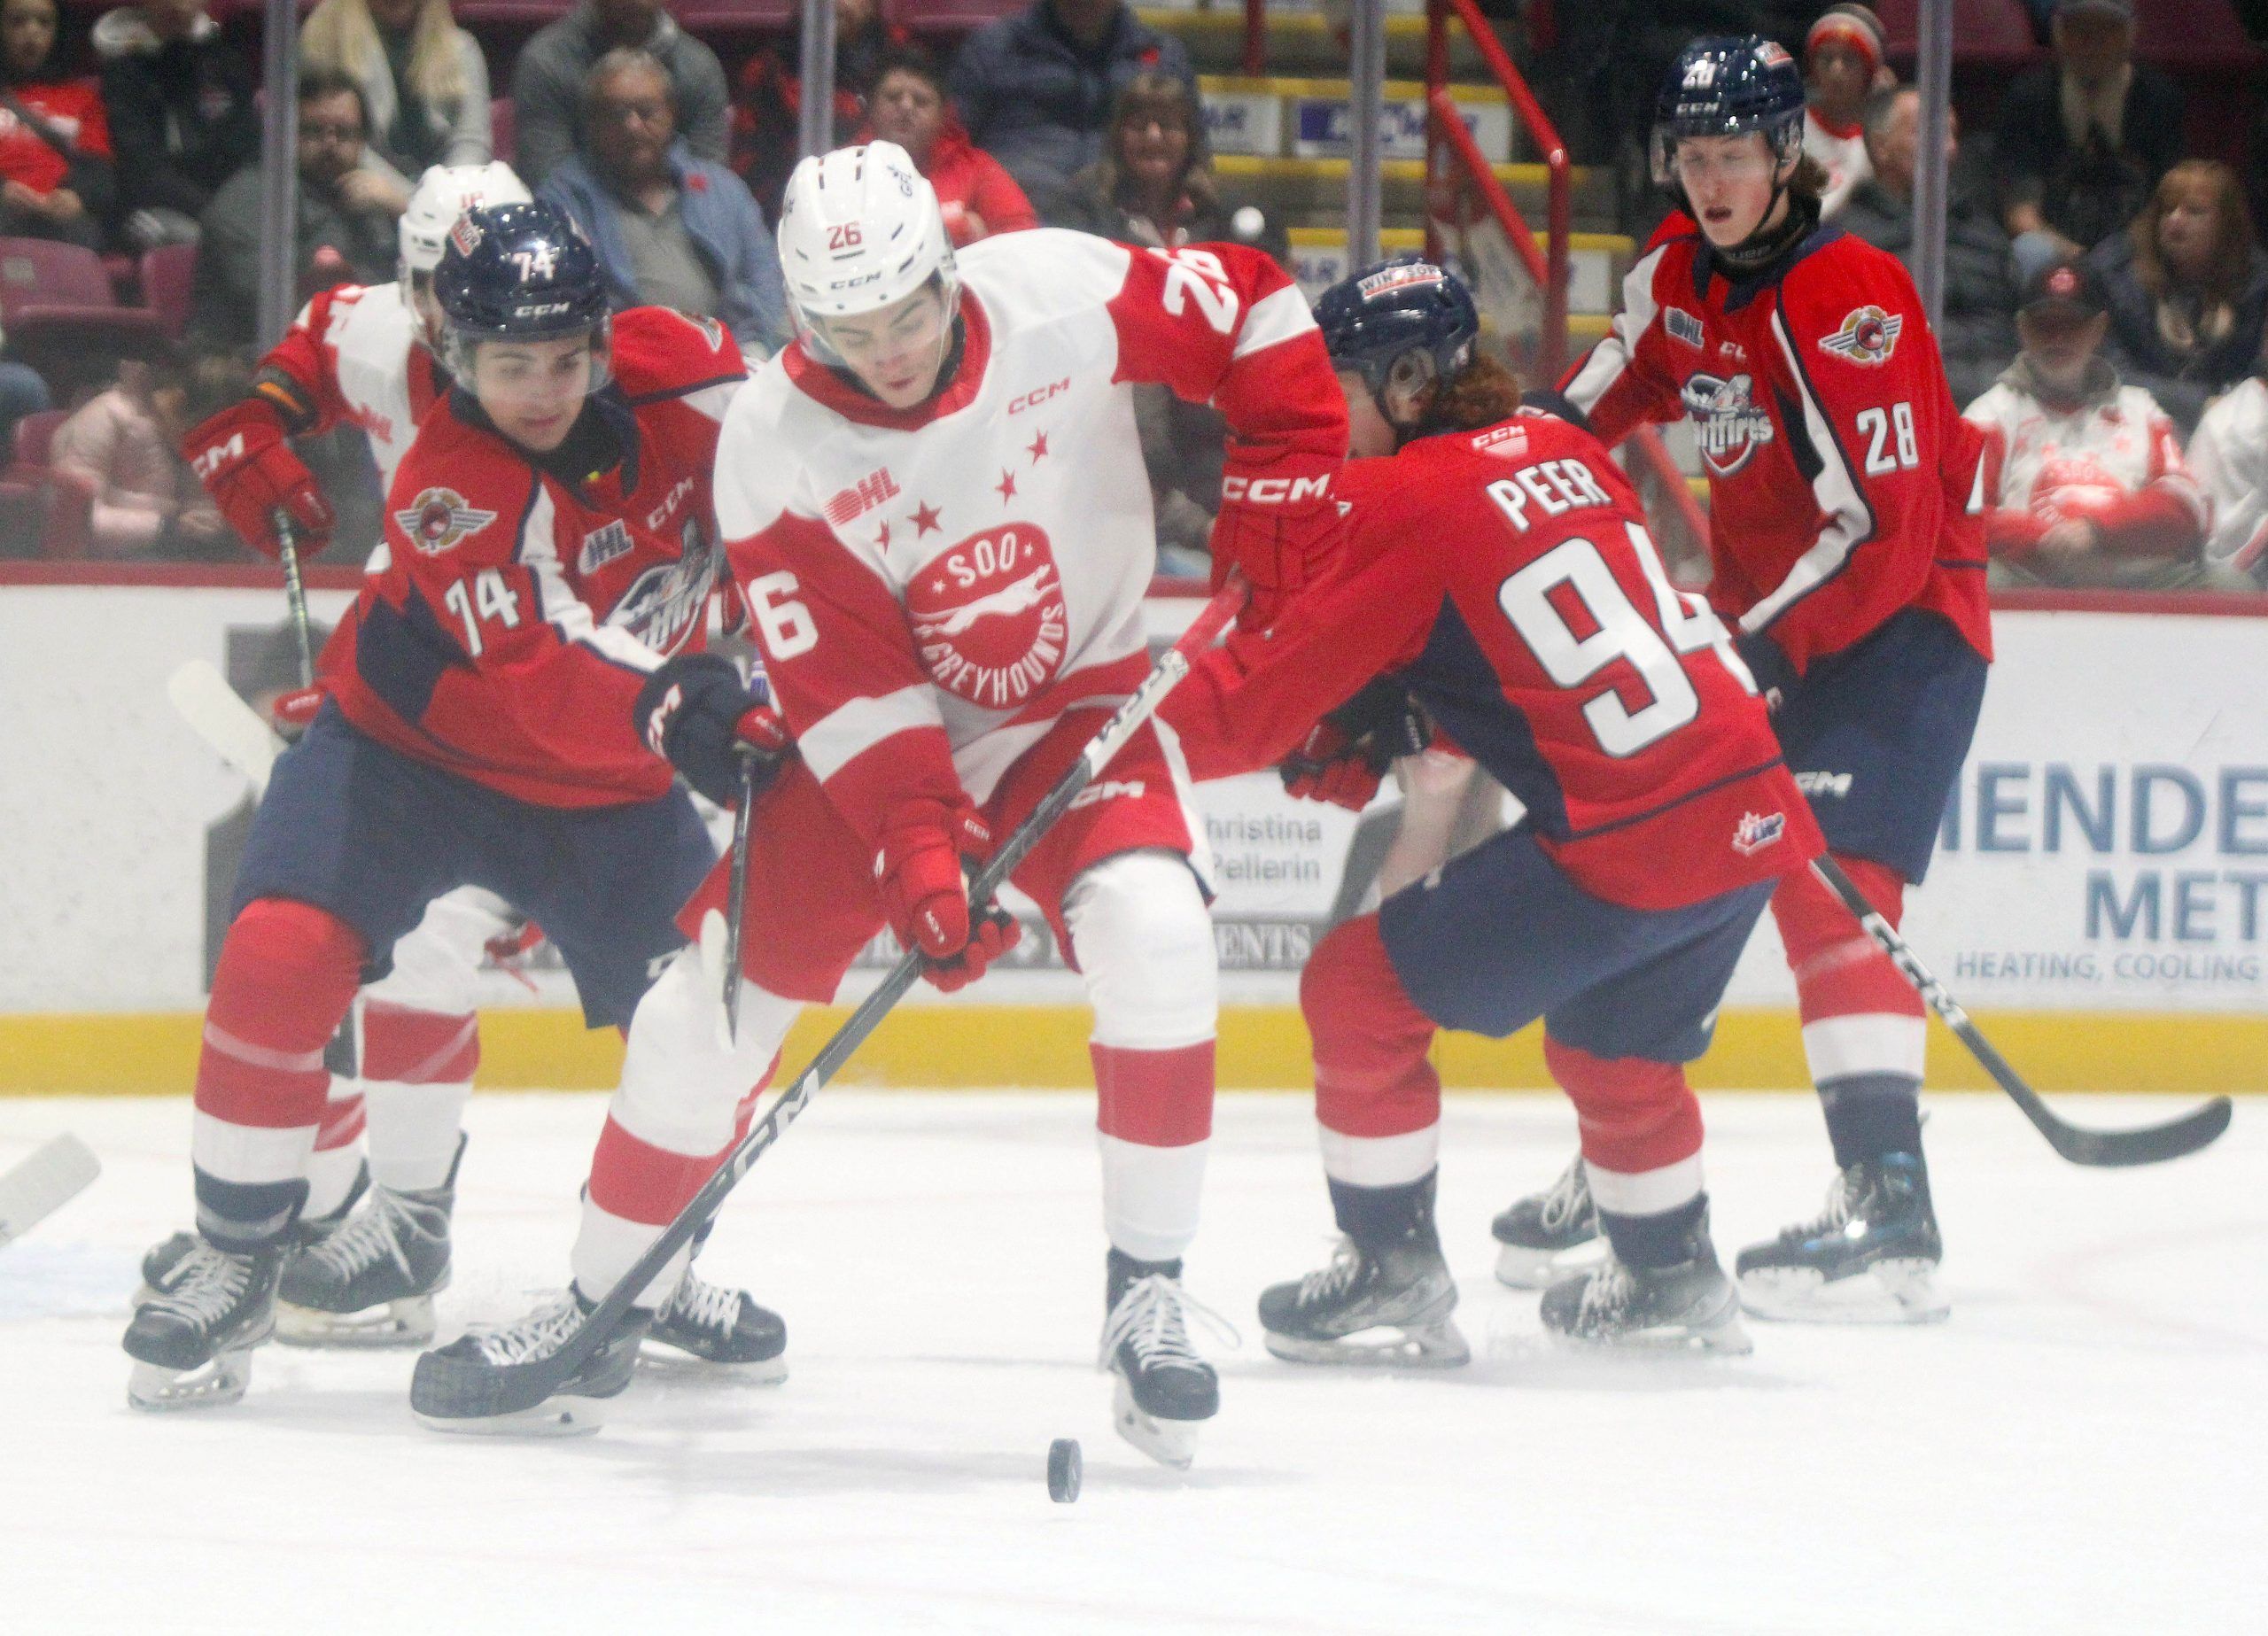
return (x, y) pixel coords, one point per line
(859, 230)
(443, 194)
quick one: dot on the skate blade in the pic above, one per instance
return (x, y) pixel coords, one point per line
(558, 1417)
(1430, 1347)
(1169, 1442)
(1890, 1292)
(161, 1390)
(658, 1357)
(406, 1322)
(1720, 1333)
(1521, 1267)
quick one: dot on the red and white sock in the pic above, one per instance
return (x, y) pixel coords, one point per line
(417, 1069)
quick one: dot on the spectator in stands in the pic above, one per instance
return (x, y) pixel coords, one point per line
(1977, 335)
(2188, 290)
(182, 117)
(56, 176)
(2229, 459)
(1035, 89)
(976, 192)
(1153, 183)
(2082, 140)
(122, 449)
(2084, 481)
(768, 97)
(669, 229)
(346, 217)
(1845, 61)
(548, 81)
(423, 78)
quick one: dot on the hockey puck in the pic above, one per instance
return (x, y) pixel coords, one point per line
(1064, 1468)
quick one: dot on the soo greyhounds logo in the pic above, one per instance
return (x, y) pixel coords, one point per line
(988, 616)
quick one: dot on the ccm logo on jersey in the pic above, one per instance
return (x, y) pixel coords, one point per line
(438, 520)
(862, 497)
(659, 518)
(1038, 395)
(1275, 491)
(1868, 336)
(1757, 831)
(1823, 783)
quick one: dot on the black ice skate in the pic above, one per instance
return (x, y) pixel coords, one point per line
(1164, 1390)
(372, 1282)
(1871, 1257)
(1548, 1234)
(719, 1325)
(162, 1260)
(1374, 1307)
(191, 1342)
(495, 1379)
(1689, 1305)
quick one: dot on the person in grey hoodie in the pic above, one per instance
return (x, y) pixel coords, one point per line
(548, 81)
(182, 118)
(669, 229)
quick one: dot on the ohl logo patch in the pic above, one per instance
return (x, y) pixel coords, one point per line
(438, 520)
(1868, 336)
(989, 619)
(1731, 427)
(1757, 831)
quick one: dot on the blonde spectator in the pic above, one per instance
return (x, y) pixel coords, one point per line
(423, 79)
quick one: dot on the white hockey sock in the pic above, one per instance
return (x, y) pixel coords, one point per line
(414, 1132)
(1150, 1197)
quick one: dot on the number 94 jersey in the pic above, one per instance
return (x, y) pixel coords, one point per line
(1506, 575)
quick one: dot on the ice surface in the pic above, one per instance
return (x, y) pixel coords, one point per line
(2080, 1448)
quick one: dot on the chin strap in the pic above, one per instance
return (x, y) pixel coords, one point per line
(1763, 247)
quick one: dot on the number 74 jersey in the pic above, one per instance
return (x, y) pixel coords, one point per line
(1507, 576)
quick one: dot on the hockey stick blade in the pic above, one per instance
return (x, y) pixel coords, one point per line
(55, 1173)
(218, 714)
(460, 1389)
(2147, 1144)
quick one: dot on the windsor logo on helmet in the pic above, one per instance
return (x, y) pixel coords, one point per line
(1407, 275)
(438, 520)
(1868, 336)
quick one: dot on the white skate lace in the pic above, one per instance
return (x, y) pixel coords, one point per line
(705, 1305)
(539, 1335)
(1346, 1266)
(1842, 1204)
(206, 1285)
(1610, 1292)
(1149, 1316)
(368, 1239)
(1569, 1197)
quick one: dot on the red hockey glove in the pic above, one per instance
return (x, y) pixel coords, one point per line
(1280, 529)
(247, 466)
(293, 710)
(696, 713)
(926, 896)
(1345, 757)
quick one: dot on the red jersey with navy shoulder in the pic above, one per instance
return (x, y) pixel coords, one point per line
(1842, 478)
(1506, 575)
(520, 605)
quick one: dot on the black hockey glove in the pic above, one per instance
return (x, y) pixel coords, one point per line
(697, 714)
(1347, 755)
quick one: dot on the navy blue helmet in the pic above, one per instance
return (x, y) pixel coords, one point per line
(518, 272)
(1400, 325)
(1726, 85)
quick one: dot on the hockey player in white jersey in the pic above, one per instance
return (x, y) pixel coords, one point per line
(935, 508)
(376, 1235)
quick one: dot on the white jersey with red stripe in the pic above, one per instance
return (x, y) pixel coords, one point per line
(354, 355)
(2228, 456)
(934, 588)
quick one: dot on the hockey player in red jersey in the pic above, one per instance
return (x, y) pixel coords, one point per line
(937, 509)
(1498, 568)
(1842, 483)
(549, 544)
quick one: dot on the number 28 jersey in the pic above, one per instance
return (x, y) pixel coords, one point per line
(1506, 575)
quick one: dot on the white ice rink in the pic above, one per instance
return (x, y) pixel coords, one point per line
(2080, 1448)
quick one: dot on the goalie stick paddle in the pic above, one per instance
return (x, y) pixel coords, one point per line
(220, 716)
(2151, 1144)
(55, 1173)
(444, 1388)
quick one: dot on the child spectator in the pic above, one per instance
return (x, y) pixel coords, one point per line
(907, 106)
(2084, 482)
(121, 447)
(2229, 459)
(182, 117)
(2188, 290)
(56, 177)
(423, 79)
(1844, 62)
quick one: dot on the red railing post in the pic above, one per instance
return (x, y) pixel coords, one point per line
(1256, 37)
(1437, 78)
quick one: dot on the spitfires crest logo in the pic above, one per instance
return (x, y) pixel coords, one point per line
(989, 619)
(1731, 426)
(1868, 336)
(438, 520)
(1757, 831)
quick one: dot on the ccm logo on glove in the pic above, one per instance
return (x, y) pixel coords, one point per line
(1275, 491)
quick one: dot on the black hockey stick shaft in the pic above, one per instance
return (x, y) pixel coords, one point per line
(2148, 1145)
(1138, 709)
(295, 596)
(736, 906)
